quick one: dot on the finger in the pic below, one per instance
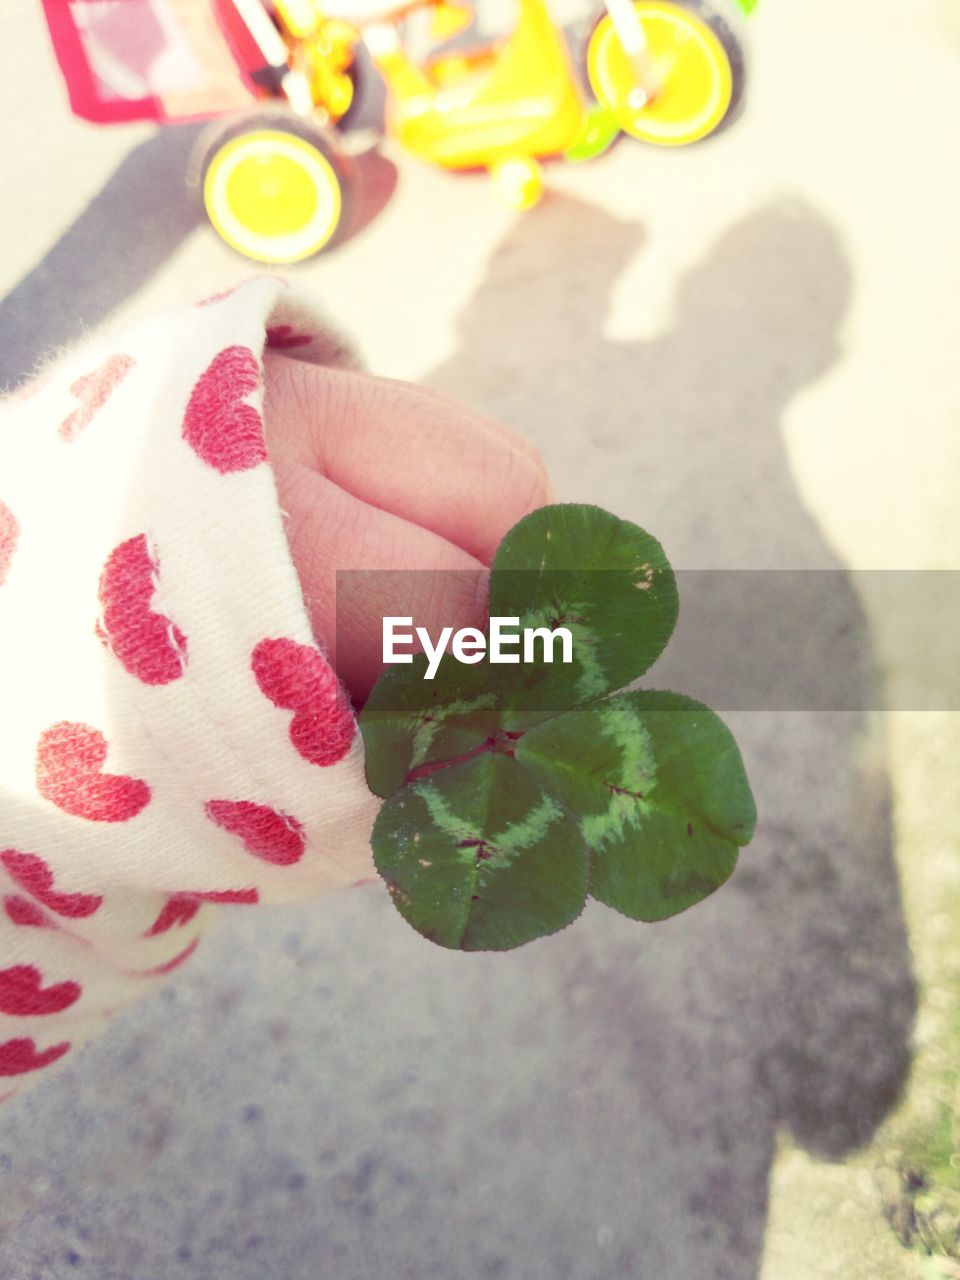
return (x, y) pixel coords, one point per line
(399, 448)
(358, 564)
(458, 407)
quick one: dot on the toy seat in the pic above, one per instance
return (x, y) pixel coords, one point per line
(518, 97)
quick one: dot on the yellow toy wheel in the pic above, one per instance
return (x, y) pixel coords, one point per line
(518, 182)
(273, 194)
(698, 65)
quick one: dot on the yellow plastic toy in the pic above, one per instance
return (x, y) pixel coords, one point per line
(505, 107)
(276, 183)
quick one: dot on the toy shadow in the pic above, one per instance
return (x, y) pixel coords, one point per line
(127, 232)
(130, 228)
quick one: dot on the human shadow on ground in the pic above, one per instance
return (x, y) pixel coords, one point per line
(144, 212)
(788, 999)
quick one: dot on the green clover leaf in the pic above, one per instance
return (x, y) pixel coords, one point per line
(409, 722)
(605, 580)
(512, 790)
(479, 857)
(660, 794)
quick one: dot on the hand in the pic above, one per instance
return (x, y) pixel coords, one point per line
(378, 474)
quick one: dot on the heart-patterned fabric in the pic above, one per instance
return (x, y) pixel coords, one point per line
(171, 736)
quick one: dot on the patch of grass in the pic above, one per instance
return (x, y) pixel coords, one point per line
(920, 1182)
(919, 1150)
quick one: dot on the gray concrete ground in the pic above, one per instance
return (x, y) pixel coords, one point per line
(750, 348)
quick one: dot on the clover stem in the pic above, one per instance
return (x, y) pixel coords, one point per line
(502, 741)
(434, 766)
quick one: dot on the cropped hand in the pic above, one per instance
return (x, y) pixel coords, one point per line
(375, 474)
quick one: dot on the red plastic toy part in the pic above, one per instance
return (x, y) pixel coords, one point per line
(166, 60)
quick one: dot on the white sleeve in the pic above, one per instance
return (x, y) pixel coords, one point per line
(171, 736)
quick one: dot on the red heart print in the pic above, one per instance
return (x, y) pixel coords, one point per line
(93, 391)
(222, 431)
(274, 837)
(281, 337)
(244, 896)
(22, 994)
(147, 644)
(178, 909)
(9, 533)
(20, 1056)
(170, 965)
(298, 678)
(228, 293)
(216, 297)
(70, 759)
(34, 876)
(22, 911)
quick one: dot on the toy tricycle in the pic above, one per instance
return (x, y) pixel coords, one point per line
(275, 174)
